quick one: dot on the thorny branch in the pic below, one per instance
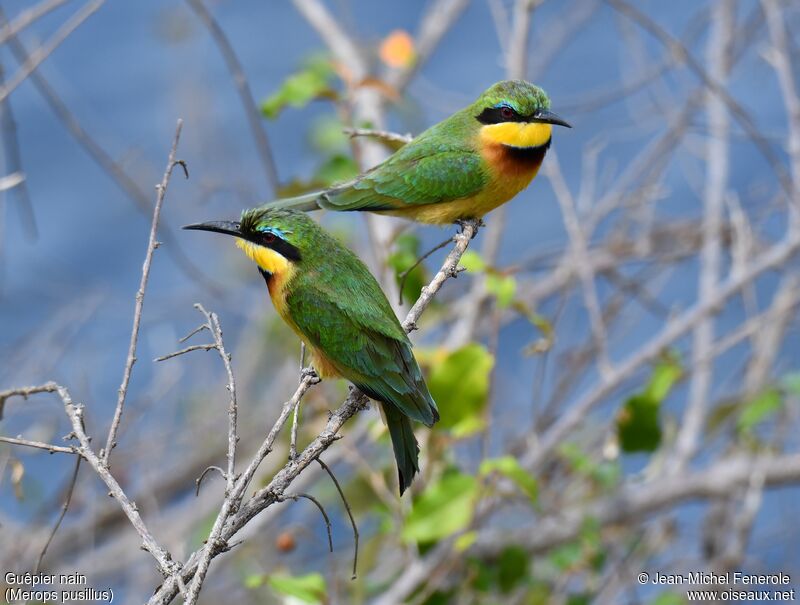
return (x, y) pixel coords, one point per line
(152, 244)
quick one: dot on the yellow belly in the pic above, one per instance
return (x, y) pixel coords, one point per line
(496, 193)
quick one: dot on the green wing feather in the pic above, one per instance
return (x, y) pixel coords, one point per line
(440, 165)
(418, 174)
(348, 318)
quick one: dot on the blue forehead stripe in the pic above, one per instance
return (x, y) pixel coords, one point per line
(275, 230)
(505, 104)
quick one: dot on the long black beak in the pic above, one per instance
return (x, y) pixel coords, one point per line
(548, 117)
(227, 227)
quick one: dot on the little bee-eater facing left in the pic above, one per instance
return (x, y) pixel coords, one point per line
(333, 303)
(461, 168)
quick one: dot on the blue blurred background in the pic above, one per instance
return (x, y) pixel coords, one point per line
(127, 74)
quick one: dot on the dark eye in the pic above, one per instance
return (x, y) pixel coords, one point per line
(507, 113)
(269, 237)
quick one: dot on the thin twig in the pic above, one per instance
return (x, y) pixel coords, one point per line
(719, 42)
(188, 349)
(202, 476)
(404, 275)
(449, 269)
(25, 392)
(44, 51)
(140, 198)
(13, 164)
(166, 565)
(243, 88)
(737, 111)
(321, 509)
(296, 411)
(27, 18)
(680, 325)
(383, 135)
(152, 244)
(53, 449)
(61, 516)
(349, 514)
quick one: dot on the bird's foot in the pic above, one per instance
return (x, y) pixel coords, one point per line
(310, 373)
(477, 223)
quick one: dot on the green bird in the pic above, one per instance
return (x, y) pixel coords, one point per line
(461, 168)
(334, 304)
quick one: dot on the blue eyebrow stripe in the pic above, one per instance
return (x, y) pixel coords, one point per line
(505, 104)
(274, 230)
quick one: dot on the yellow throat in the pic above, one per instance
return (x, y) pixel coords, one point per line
(266, 258)
(517, 134)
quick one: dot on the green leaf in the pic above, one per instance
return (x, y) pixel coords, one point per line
(513, 567)
(567, 555)
(510, 467)
(460, 386)
(759, 409)
(472, 262)
(465, 540)
(254, 580)
(327, 135)
(664, 377)
(638, 427)
(444, 509)
(311, 82)
(503, 287)
(406, 253)
(668, 598)
(638, 424)
(309, 588)
(336, 169)
(791, 383)
(606, 474)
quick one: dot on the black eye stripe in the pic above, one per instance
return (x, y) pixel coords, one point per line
(494, 115)
(268, 239)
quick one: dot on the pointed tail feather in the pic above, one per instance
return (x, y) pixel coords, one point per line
(304, 203)
(406, 449)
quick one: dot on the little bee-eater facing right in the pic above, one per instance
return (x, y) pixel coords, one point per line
(333, 303)
(461, 168)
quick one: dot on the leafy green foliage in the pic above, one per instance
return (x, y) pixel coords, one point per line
(312, 81)
(472, 262)
(327, 135)
(336, 169)
(406, 253)
(585, 551)
(668, 598)
(605, 474)
(309, 588)
(759, 409)
(504, 573)
(443, 509)
(791, 384)
(500, 285)
(460, 386)
(509, 467)
(638, 425)
(503, 287)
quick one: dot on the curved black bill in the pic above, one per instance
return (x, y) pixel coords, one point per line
(548, 117)
(227, 227)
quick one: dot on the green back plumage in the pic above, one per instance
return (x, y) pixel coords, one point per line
(442, 164)
(339, 308)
